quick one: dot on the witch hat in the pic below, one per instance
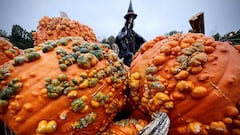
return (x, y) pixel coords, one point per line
(130, 12)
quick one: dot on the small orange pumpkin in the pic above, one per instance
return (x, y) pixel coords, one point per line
(7, 51)
(57, 27)
(193, 78)
(65, 86)
(125, 127)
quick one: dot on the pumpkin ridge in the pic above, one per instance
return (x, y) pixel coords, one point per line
(40, 112)
(225, 69)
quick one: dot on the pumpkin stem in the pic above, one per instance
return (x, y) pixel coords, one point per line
(159, 125)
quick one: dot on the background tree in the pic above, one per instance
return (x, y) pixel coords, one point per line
(172, 32)
(21, 38)
(217, 36)
(104, 40)
(190, 30)
(110, 40)
(3, 33)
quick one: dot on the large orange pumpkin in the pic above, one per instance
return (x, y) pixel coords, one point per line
(61, 87)
(57, 27)
(193, 78)
(7, 51)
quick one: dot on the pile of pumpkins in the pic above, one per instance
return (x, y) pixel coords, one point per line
(70, 84)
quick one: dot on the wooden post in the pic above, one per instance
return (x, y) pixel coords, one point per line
(197, 23)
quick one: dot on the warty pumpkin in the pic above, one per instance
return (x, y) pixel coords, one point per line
(61, 87)
(57, 27)
(7, 51)
(191, 77)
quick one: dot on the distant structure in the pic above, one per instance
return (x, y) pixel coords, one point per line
(63, 14)
(197, 23)
(233, 37)
(128, 40)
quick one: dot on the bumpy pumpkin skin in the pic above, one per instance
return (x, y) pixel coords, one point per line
(57, 27)
(7, 51)
(62, 87)
(193, 78)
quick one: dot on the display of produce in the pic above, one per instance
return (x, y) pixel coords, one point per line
(70, 84)
(192, 78)
(61, 87)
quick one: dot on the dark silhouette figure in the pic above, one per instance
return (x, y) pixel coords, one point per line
(128, 40)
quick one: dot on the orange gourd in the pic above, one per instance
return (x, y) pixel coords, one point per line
(57, 27)
(125, 127)
(7, 51)
(192, 78)
(61, 87)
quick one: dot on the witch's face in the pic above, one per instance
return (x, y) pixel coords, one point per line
(129, 22)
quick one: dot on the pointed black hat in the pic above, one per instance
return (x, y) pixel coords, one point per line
(130, 12)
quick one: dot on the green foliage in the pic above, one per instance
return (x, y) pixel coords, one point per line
(21, 38)
(172, 33)
(104, 40)
(217, 36)
(3, 33)
(110, 40)
(190, 30)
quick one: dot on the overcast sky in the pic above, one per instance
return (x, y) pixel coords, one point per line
(105, 17)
